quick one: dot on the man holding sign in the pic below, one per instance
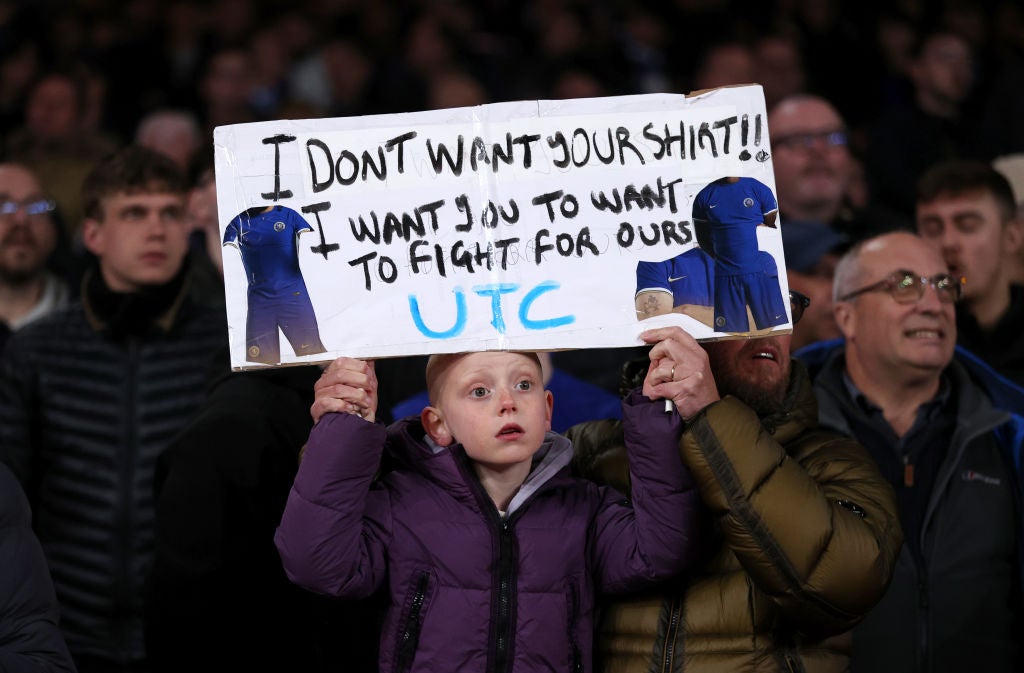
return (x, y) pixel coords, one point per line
(806, 532)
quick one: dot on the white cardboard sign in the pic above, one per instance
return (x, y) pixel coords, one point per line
(506, 226)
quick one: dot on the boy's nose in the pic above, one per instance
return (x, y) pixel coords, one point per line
(506, 399)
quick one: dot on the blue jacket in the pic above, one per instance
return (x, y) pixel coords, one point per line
(471, 590)
(959, 607)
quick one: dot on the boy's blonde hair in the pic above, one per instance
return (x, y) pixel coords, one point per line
(439, 364)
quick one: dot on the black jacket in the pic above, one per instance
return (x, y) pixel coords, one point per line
(218, 599)
(30, 640)
(89, 398)
(1002, 347)
(959, 607)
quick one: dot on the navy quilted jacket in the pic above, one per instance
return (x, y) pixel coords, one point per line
(83, 418)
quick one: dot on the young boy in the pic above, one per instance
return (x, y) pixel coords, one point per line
(492, 551)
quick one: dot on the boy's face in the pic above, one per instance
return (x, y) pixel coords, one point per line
(141, 239)
(495, 405)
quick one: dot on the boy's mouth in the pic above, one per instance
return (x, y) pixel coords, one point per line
(510, 430)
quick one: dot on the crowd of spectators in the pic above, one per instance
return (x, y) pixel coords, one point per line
(861, 101)
(904, 85)
(78, 77)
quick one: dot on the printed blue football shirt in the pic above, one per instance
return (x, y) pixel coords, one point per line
(277, 294)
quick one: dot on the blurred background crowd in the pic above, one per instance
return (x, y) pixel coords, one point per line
(77, 78)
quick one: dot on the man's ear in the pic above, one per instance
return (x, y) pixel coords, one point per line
(1013, 235)
(92, 235)
(843, 313)
(435, 425)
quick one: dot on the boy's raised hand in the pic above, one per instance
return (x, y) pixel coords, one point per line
(347, 386)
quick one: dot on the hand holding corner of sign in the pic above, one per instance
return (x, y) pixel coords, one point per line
(679, 371)
(346, 386)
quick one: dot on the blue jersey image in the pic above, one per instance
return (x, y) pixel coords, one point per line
(267, 239)
(688, 277)
(758, 290)
(730, 210)
(734, 210)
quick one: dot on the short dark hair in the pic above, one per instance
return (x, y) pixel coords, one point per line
(961, 176)
(130, 170)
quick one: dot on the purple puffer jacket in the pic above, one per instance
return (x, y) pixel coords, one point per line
(469, 590)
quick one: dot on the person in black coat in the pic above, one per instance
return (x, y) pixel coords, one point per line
(30, 639)
(217, 598)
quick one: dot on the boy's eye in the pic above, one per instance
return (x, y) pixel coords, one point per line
(479, 391)
(524, 385)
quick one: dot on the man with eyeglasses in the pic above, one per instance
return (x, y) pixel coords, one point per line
(815, 170)
(942, 428)
(805, 533)
(28, 238)
(966, 210)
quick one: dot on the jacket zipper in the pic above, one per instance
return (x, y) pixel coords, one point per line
(502, 627)
(506, 580)
(674, 619)
(409, 637)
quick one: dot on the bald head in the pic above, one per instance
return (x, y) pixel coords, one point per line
(175, 133)
(880, 255)
(800, 112)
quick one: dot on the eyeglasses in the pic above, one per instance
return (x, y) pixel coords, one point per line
(906, 287)
(798, 303)
(36, 207)
(805, 141)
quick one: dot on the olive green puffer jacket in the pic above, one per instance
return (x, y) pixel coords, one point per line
(804, 544)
